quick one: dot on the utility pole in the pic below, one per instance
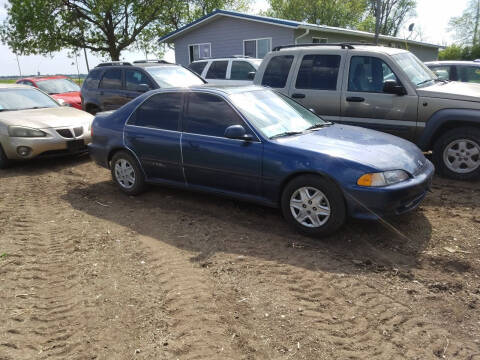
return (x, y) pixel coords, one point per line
(378, 5)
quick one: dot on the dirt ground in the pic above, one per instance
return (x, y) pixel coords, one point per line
(89, 273)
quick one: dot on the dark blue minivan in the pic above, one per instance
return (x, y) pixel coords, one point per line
(254, 144)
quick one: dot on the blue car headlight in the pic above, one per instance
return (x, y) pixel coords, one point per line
(20, 131)
(383, 178)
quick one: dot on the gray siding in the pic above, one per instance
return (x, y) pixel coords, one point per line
(424, 53)
(226, 36)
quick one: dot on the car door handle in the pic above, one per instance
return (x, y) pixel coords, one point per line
(137, 137)
(193, 145)
(355, 99)
(298, 96)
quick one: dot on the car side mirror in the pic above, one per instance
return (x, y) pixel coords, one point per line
(62, 102)
(251, 75)
(237, 132)
(143, 88)
(392, 87)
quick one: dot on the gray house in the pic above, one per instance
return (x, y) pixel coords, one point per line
(226, 33)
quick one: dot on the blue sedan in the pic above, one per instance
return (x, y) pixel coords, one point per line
(254, 144)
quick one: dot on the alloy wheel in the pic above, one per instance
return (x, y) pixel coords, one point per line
(462, 156)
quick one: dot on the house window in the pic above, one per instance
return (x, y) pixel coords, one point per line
(199, 51)
(257, 48)
(319, 40)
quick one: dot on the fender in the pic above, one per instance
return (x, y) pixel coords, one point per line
(440, 118)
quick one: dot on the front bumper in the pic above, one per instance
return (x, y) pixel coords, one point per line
(52, 144)
(378, 202)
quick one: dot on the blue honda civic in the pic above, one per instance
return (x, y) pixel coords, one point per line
(254, 144)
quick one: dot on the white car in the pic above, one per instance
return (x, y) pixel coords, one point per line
(238, 70)
(32, 124)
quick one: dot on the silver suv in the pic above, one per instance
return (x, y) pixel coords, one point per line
(386, 89)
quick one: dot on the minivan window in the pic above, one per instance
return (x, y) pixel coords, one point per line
(93, 78)
(277, 70)
(198, 66)
(209, 114)
(217, 70)
(368, 74)
(318, 72)
(240, 70)
(160, 111)
(133, 78)
(112, 79)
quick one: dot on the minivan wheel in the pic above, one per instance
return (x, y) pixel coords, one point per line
(457, 154)
(4, 162)
(127, 174)
(313, 205)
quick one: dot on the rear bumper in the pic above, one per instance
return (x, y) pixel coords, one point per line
(98, 155)
(374, 203)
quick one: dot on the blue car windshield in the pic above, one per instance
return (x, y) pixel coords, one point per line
(273, 114)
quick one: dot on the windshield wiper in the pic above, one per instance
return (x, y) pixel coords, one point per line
(318, 126)
(286, 133)
(424, 81)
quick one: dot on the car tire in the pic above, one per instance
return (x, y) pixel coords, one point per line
(456, 154)
(4, 162)
(92, 109)
(313, 205)
(127, 174)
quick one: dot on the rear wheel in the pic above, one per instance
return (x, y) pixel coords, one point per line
(4, 162)
(457, 154)
(127, 174)
(313, 205)
(93, 109)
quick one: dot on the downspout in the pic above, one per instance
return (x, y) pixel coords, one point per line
(307, 31)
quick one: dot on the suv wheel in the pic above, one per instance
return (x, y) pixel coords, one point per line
(92, 109)
(313, 205)
(4, 162)
(457, 154)
(127, 173)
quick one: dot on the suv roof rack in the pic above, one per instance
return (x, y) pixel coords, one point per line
(344, 45)
(151, 61)
(114, 63)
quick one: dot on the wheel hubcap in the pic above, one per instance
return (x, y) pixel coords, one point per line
(125, 174)
(310, 207)
(462, 156)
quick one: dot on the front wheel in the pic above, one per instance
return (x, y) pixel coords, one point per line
(457, 154)
(313, 205)
(127, 174)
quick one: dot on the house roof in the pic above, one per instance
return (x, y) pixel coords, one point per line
(279, 22)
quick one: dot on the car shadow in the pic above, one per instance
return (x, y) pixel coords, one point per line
(206, 225)
(41, 166)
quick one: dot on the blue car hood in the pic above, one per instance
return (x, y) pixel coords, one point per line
(371, 148)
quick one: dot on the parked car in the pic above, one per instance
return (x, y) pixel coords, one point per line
(385, 89)
(239, 70)
(59, 87)
(111, 85)
(465, 71)
(34, 124)
(254, 144)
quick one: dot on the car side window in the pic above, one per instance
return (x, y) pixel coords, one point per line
(217, 70)
(368, 74)
(160, 111)
(240, 70)
(198, 66)
(318, 72)
(443, 72)
(93, 79)
(112, 79)
(469, 74)
(133, 78)
(208, 114)
(277, 70)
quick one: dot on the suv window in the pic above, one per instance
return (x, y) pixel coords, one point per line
(133, 78)
(93, 78)
(160, 111)
(318, 72)
(240, 70)
(368, 74)
(217, 70)
(197, 66)
(469, 74)
(112, 79)
(276, 72)
(209, 114)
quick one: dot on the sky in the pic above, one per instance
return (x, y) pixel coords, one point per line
(432, 18)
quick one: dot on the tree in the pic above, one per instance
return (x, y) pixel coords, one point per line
(340, 13)
(466, 26)
(453, 52)
(107, 27)
(393, 14)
